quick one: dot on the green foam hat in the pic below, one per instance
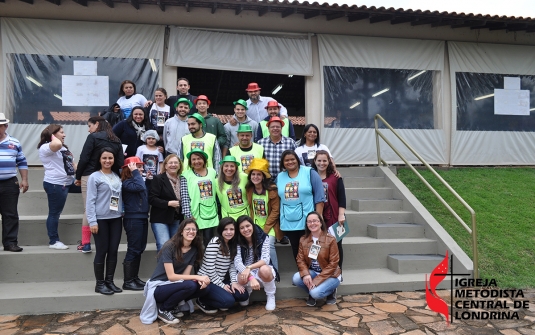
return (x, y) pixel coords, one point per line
(230, 159)
(197, 150)
(241, 102)
(199, 118)
(244, 128)
(190, 104)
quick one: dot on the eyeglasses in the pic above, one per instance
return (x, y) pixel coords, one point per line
(313, 221)
(187, 230)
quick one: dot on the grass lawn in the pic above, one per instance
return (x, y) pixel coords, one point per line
(504, 202)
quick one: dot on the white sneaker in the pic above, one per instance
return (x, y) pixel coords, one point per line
(249, 290)
(270, 305)
(58, 246)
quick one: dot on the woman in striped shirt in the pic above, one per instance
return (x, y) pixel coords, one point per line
(217, 262)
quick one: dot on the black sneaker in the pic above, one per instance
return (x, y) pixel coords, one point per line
(331, 298)
(311, 301)
(167, 317)
(177, 312)
(284, 240)
(205, 308)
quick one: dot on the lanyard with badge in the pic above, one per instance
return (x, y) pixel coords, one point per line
(115, 190)
(314, 250)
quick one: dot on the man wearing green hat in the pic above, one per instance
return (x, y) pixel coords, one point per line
(177, 126)
(246, 150)
(240, 109)
(200, 139)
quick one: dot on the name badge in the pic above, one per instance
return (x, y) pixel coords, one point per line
(160, 121)
(311, 154)
(314, 251)
(114, 203)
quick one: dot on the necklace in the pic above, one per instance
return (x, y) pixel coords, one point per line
(108, 175)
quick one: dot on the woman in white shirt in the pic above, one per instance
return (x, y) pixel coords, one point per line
(128, 99)
(309, 144)
(59, 175)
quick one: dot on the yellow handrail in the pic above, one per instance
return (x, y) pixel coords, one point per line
(380, 161)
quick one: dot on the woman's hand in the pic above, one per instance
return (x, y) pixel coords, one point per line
(173, 203)
(255, 285)
(244, 275)
(307, 280)
(160, 149)
(132, 166)
(341, 219)
(77, 182)
(237, 287)
(203, 281)
(94, 229)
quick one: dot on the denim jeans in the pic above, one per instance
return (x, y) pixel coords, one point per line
(220, 298)
(57, 196)
(273, 252)
(163, 232)
(322, 290)
(168, 296)
(136, 237)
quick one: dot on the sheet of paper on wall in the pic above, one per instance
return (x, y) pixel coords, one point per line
(85, 90)
(511, 100)
(85, 68)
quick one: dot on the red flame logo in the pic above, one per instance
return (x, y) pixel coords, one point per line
(433, 300)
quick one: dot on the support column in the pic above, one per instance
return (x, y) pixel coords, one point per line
(313, 94)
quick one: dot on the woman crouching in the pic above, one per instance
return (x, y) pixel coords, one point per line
(252, 261)
(172, 282)
(317, 261)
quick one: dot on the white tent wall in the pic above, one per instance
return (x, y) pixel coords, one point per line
(91, 39)
(357, 145)
(490, 147)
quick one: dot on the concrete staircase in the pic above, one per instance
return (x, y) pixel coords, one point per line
(393, 242)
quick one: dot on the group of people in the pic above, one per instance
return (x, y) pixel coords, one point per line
(218, 200)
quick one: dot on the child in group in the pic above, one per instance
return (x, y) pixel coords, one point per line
(150, 155)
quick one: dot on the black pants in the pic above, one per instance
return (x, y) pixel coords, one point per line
(107, 240)
(341, 253)
(168, 296)
(136, 237)
(294, 236)
(9, 193)
(207, 235)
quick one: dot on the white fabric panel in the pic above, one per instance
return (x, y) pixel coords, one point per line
(29, 135)
(239, 52)
(92, 39)
(490, 147)
(357, 146)
(382, 53)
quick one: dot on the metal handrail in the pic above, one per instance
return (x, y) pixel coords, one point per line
(380, 161)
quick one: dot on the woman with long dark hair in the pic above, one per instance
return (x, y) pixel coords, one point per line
(218, 264)
(172, 281)
(252, 261)
(310, 144)
(131, 130)
(135, 221)
(264, 203)
(231, 188)
(301, 192)
(104, 208)
(335, 194)
(100, 136)
(317, 261)
(128, 99)
(59, 168)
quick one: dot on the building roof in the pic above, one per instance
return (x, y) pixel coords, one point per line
(335, 11)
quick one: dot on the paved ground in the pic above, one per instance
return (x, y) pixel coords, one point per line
(377, 314)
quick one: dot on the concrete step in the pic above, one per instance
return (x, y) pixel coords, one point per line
(367, 205)
(359, 171)
(369, 193)
(405, 264)
(395, 230)
(57, 297)
(32, 230)
(35, 202)
(364, 181)
(358, 221)
(35, 177)
(372, 253)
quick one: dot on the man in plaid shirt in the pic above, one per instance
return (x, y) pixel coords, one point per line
(275, 144)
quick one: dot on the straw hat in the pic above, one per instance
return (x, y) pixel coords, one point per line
(261, 165)
(3, 119)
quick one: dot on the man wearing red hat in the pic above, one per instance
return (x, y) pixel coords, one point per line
(256, 105)
(213, 125)
(273, 109)
(275, 144)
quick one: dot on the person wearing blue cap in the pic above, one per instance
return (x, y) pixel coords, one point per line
(200, 139)
(240, 109)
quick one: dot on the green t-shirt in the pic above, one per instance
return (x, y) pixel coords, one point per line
(203, 202)
(233, 204)
(245, 157)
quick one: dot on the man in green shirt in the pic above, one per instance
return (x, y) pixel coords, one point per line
(213, 125)
(200, 139)
(246, 150)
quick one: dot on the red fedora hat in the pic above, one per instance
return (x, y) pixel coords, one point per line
(253, 87)
(202, 97)
(272, 103)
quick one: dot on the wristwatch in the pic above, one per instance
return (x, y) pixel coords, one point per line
(248, 267)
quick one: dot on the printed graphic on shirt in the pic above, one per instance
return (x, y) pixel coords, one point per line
(150, 163)
(68, 162)
(259, 208)
(205, 187)
(127, 109)
(246, 161)
(158, 118)
(197, 145)
(326, 190)
(291, 191)
(235, 199)
(306, 157)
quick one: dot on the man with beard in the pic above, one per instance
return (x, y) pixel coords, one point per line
(182, 86)
(246, 150)
(200, 139)
(240, 109)
(176, 127)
